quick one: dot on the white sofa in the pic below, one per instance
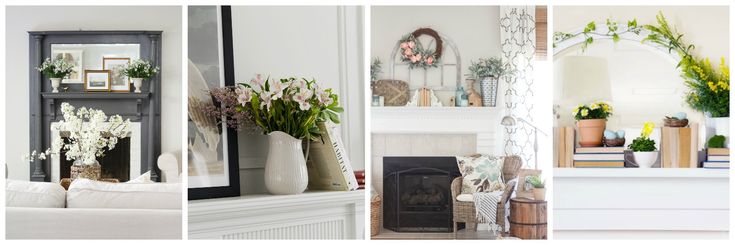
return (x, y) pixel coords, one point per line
(76, 221)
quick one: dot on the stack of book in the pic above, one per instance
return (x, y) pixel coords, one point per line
(599, 157)
(679, 147)
(717, 158)
(360, 176)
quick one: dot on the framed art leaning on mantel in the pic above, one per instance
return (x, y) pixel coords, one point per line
(212, 153)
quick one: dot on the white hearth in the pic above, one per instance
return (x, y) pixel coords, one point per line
(135, 152)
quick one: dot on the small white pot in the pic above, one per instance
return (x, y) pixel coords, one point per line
(55, 82)
(137, 82)
(285, 168)
(645, 159)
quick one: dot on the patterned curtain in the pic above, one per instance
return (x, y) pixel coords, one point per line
(518, 45)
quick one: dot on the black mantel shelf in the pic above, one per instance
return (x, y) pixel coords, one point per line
(94, 95)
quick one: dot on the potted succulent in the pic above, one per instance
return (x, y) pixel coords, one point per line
(488, 71)
(289, 111)
(56, 70)
(591, 121)
(539, 187)
(644, 148)
(139, 70)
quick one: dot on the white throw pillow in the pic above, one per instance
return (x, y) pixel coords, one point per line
(142, 179)
(481, 173)
(29, 194)
(85, 193)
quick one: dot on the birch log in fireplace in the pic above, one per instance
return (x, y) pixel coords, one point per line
(91, 47)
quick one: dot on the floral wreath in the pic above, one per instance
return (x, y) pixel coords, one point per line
(415, 54)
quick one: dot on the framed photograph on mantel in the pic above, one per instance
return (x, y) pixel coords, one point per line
(118, 81)
(212, 152)
(96, 80)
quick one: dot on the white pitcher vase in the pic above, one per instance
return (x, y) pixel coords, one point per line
(285, 169)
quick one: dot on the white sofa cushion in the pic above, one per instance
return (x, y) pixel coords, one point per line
(85, 193)
(20, 193)
(142, 179)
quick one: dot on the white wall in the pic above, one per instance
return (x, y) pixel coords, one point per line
(20, 20)
(474, 29)
(324, 43)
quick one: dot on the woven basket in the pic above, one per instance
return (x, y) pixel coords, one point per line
(375, 216)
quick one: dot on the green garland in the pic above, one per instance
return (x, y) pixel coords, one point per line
(709, 86)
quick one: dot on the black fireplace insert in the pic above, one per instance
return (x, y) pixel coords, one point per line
(417, 194)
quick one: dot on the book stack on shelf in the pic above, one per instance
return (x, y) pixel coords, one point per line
(717, 158)
(599, 157)
(360, 176)
(679, 147)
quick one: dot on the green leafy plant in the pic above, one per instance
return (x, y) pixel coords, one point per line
(595, 110)
(492, 67)
(535, 181)
(717, 141)
(643, 143)
(375, 69)
(139, 69)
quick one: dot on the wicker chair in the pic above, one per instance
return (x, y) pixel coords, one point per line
(464, 212)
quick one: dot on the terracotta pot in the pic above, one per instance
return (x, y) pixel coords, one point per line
(539, 194)
(590, 132)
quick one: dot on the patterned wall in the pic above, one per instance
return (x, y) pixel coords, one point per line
(518, 42)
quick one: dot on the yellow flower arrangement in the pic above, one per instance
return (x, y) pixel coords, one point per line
(647, 129)
(595, 110)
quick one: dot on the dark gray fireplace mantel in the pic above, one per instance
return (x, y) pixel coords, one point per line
(144, 107)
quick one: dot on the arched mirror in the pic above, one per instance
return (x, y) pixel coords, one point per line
(640, 80)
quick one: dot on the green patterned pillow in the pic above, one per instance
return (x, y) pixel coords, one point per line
(481, 173)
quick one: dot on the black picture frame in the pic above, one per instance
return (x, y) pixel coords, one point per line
(233, 189)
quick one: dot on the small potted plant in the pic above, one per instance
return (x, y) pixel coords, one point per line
(56, 70)
(487, 71)
(644, 148)
(139, 70)
(539, 187)
(591, 121)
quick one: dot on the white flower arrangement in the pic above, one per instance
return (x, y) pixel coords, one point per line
(90, 134)
(57, 68)
(139, 69)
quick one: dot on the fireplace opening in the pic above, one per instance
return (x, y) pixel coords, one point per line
(115, 163)
(417, 194)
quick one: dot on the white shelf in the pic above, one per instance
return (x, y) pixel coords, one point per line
(311, 215)
(640, 173)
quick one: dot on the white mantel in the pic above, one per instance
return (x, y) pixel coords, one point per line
(645, 203)
(484, 122)
(311, 215)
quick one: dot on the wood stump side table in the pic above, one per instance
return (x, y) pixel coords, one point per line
(527, 218)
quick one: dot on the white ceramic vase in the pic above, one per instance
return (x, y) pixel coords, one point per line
(645, 159)
(137, 82)
(718, 126)
(285, 169)
(55, 82)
